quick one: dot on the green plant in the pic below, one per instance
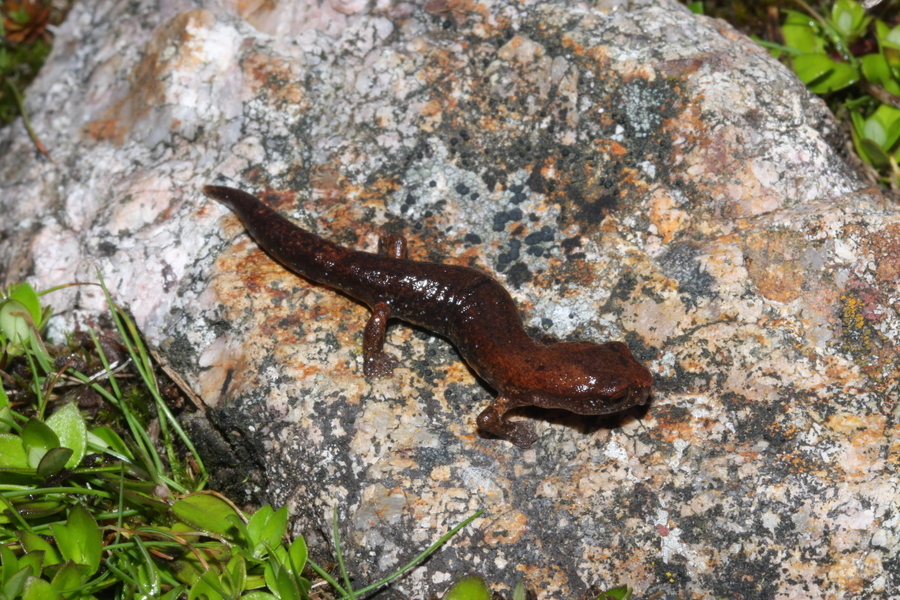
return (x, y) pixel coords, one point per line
(21, 319)
(876, 138)
(829, 55)
(87, 509)
(474, 587)
(24, 45)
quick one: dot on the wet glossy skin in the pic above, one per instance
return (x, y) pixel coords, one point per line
(468, 307)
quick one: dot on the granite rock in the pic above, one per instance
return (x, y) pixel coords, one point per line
(627, 169)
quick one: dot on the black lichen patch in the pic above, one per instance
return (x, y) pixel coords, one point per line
(107, 248)
(518, 274)
(641, 351)
(680, 263)
(510, 255)
(641, 108)
(569, 245)
(769, 422)
(624, 287)
(746, 576)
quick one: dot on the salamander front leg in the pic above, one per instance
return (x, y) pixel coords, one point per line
(377, 362)
(491, 419)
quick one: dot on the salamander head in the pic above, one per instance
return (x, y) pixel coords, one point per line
(587, 378)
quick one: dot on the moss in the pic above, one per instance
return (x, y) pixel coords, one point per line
(19, 65)
(25, 43)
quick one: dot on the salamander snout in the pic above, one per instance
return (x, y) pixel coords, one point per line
(639, 394)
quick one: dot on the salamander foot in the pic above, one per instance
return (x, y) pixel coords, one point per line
(379, 364)
(491, 420)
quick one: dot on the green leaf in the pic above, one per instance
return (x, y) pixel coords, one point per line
(520, 592)
(68, 580)
(37, 438)
(274, 528)
(255, 580)
(623, 592)
(6, 418)
(206, 512)
(15, 583)
(35, 509)
(237, 569)
(842, 20)
(187, 567)
(801, 33)
(889, 118)
(695, 7)
(259, 596)
(9, 564)
(298, 555)
(877, 137)
(37, 434)
(148, 576)
(287, 588)
(38, 589)
(12, 452)
(889, 42)
(68, 424)
(34, 561)
(859, 123)
(305, 586)
(874, 131)
(32, 542)
(140, 498)
(207, 587)
(53, 462)
(176, 592)
(13, 322)
(79, 540)
(242, 536)
(24, 293)
(67, 543)
(892, 37)
(257, 522)
(849, 19)
(877, 157)
(110, 439)
(276, 571)
(822, 74)
(270, 574)
(811, 67)
(875, 68)
(470, 587)
(83, 526)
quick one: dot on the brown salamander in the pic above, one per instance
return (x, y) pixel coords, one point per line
(466, 306)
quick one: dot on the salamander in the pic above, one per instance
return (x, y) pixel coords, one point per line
(464, 305)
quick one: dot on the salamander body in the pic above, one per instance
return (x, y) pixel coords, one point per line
(466, 306)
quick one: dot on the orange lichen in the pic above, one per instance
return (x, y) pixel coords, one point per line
(858, 333)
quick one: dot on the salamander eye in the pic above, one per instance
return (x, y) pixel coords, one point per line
(615, 387)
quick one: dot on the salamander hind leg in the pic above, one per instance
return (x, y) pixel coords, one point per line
(392, 245)
(377, 362)
(492, 420)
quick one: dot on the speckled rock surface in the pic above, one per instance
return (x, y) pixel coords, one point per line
(628, 170)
